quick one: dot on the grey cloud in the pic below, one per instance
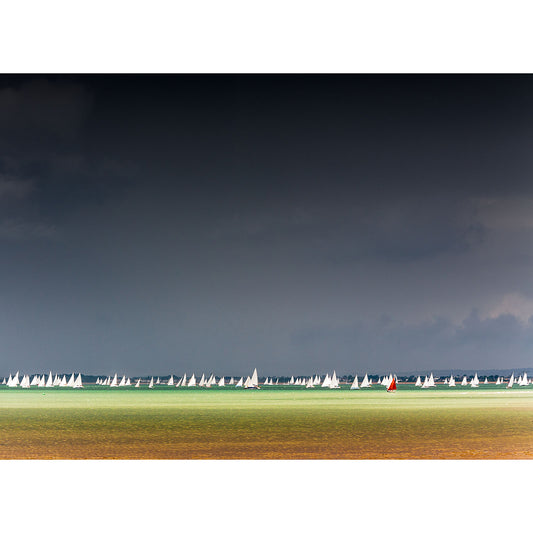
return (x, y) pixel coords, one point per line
(42, 107)
(14, 188)
(26, 230)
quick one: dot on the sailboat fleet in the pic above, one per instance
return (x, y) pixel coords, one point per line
(331, 381)
(41, 380)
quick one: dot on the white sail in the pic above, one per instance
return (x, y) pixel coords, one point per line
(35, 380)
(171, 381)
(221, 382)
(25, 382)
(365, 383)
(291, 381)
(122, 382)
(464, 383)
(158, 381)
(431, 380)
(327, 381)
(4, 381)
(180, 381)
(498, 382)
(426, 383)
(231, 381)
(57, 381)
(524, 380)
(42, 381)
(476, 380)
(355, 384)
(151, 384)
(511, 381)
(50, 381)
(138, 384)
(202, 381)
(473, 383)
(334, 381)
(184, 380)
(78, 383)
(239, 383)
(486, 382)
(451, 382)
(192, 382)
(310, 383)
(15, 382)
(254, 379)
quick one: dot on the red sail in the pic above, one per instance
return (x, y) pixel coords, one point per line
(392, 385)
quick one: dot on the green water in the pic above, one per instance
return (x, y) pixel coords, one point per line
(274, 422)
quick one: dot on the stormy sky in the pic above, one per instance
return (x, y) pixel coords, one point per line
(300, 224)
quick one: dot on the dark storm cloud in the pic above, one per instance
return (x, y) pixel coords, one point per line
(41, 107)
(194, 223)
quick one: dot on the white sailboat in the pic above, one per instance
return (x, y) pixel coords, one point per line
(42, 381)
(25, 382)
(192, 382)
(114, 383)
(511, 381)
(128, 382)
(239, 383)
(202, 381)
(355, 384)
(184, 380)
(122, 382)
(524, 381)
(486, 382)
(231, 381)
(138, 384)
(158, 381)
(451, 382)
(50, 381)
(334, 382)
(151, 384)
(426, 384)
(326, 382)
(254, 381)
(78, 383)
(221, 382)
(365, 383)
(34, 381)
(464, 383)
(171, 381)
